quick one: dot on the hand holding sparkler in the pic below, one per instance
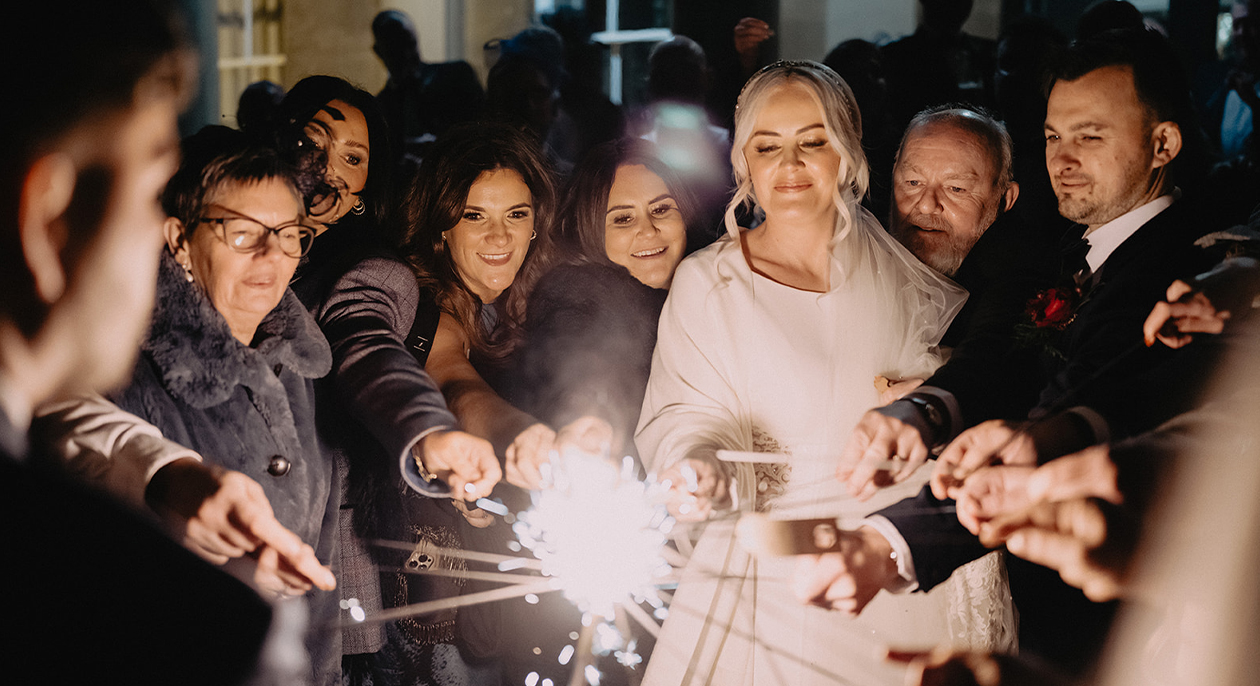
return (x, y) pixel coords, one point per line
(698, 486)
(1072, 523)
(527, 453)
(952, 666)
(993, 442)
(887, 446)
(990, 492)
(849, 579)
(222, 514)
(466, 463)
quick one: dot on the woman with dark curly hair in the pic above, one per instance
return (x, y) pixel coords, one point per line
(478, 232)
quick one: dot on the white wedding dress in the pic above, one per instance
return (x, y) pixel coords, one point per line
(745, 363)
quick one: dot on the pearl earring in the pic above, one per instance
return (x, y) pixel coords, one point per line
(188, 275)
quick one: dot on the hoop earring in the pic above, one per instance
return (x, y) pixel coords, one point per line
(358, 208)
(533, 235)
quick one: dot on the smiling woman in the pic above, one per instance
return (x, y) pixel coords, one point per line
(478, 233)
(592, 321)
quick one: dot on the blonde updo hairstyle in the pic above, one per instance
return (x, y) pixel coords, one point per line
(840, 117)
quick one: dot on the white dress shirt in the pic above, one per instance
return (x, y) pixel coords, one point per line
(1104, 240)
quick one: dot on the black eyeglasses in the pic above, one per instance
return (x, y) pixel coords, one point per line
(246, 234)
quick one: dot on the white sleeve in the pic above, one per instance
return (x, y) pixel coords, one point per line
(691, 406)
(102, 444)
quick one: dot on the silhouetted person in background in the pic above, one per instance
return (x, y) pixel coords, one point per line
(523, 90)
(696, 150)
(256, 110)
(1229, 120)
(861, 64)
(421, 98)
(587, 117)
(1231, 109)
(1105, 15)
(1023, 51)
(939, 63)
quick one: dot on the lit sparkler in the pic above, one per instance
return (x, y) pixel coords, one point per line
(598, 534)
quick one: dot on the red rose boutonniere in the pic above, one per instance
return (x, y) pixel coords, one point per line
(1049, 313)
(1053, 308)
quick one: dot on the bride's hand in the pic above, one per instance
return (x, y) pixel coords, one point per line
(698, 486)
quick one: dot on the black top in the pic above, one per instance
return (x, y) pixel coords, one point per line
(588, 347)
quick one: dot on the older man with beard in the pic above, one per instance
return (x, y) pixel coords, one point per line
(952, 178)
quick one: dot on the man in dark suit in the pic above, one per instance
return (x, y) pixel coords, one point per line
(95, 593)
(1114, 132)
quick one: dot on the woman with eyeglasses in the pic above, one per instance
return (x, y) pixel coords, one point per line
(380, 413)
(228, 366)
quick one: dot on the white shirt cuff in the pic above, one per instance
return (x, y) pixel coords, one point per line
(901, 550)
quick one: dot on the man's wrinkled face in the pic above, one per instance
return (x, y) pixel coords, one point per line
(946, 194)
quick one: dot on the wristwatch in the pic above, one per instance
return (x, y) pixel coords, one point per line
(935, 420)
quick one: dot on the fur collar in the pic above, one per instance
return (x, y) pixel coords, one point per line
(200, 361)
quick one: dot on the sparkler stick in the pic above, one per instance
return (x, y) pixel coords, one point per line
(585, 656)
(432, 606)
(473, 555)
(644, 619)
(494, 577)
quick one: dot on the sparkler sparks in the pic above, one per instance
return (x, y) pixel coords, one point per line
(598, 534)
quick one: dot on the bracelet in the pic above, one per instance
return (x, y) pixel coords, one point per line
(428, 476)
(935, 420)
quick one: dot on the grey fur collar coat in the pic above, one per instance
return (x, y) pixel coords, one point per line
(250, 409)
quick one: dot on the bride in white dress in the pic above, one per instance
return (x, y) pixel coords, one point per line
(770, 341)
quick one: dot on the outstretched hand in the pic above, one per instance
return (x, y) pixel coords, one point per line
(885, 448)
(1071, 523)
(849, 579)
(526, 455)
(465, 462)
(1186, 312)
(952, 666)
(992, 492)
(698, 486)
(222, 514)
(993, 442)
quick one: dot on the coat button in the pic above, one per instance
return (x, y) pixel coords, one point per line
(278, 466)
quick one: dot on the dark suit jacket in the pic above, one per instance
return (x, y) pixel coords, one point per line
(989, 375)
(1109, 369)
